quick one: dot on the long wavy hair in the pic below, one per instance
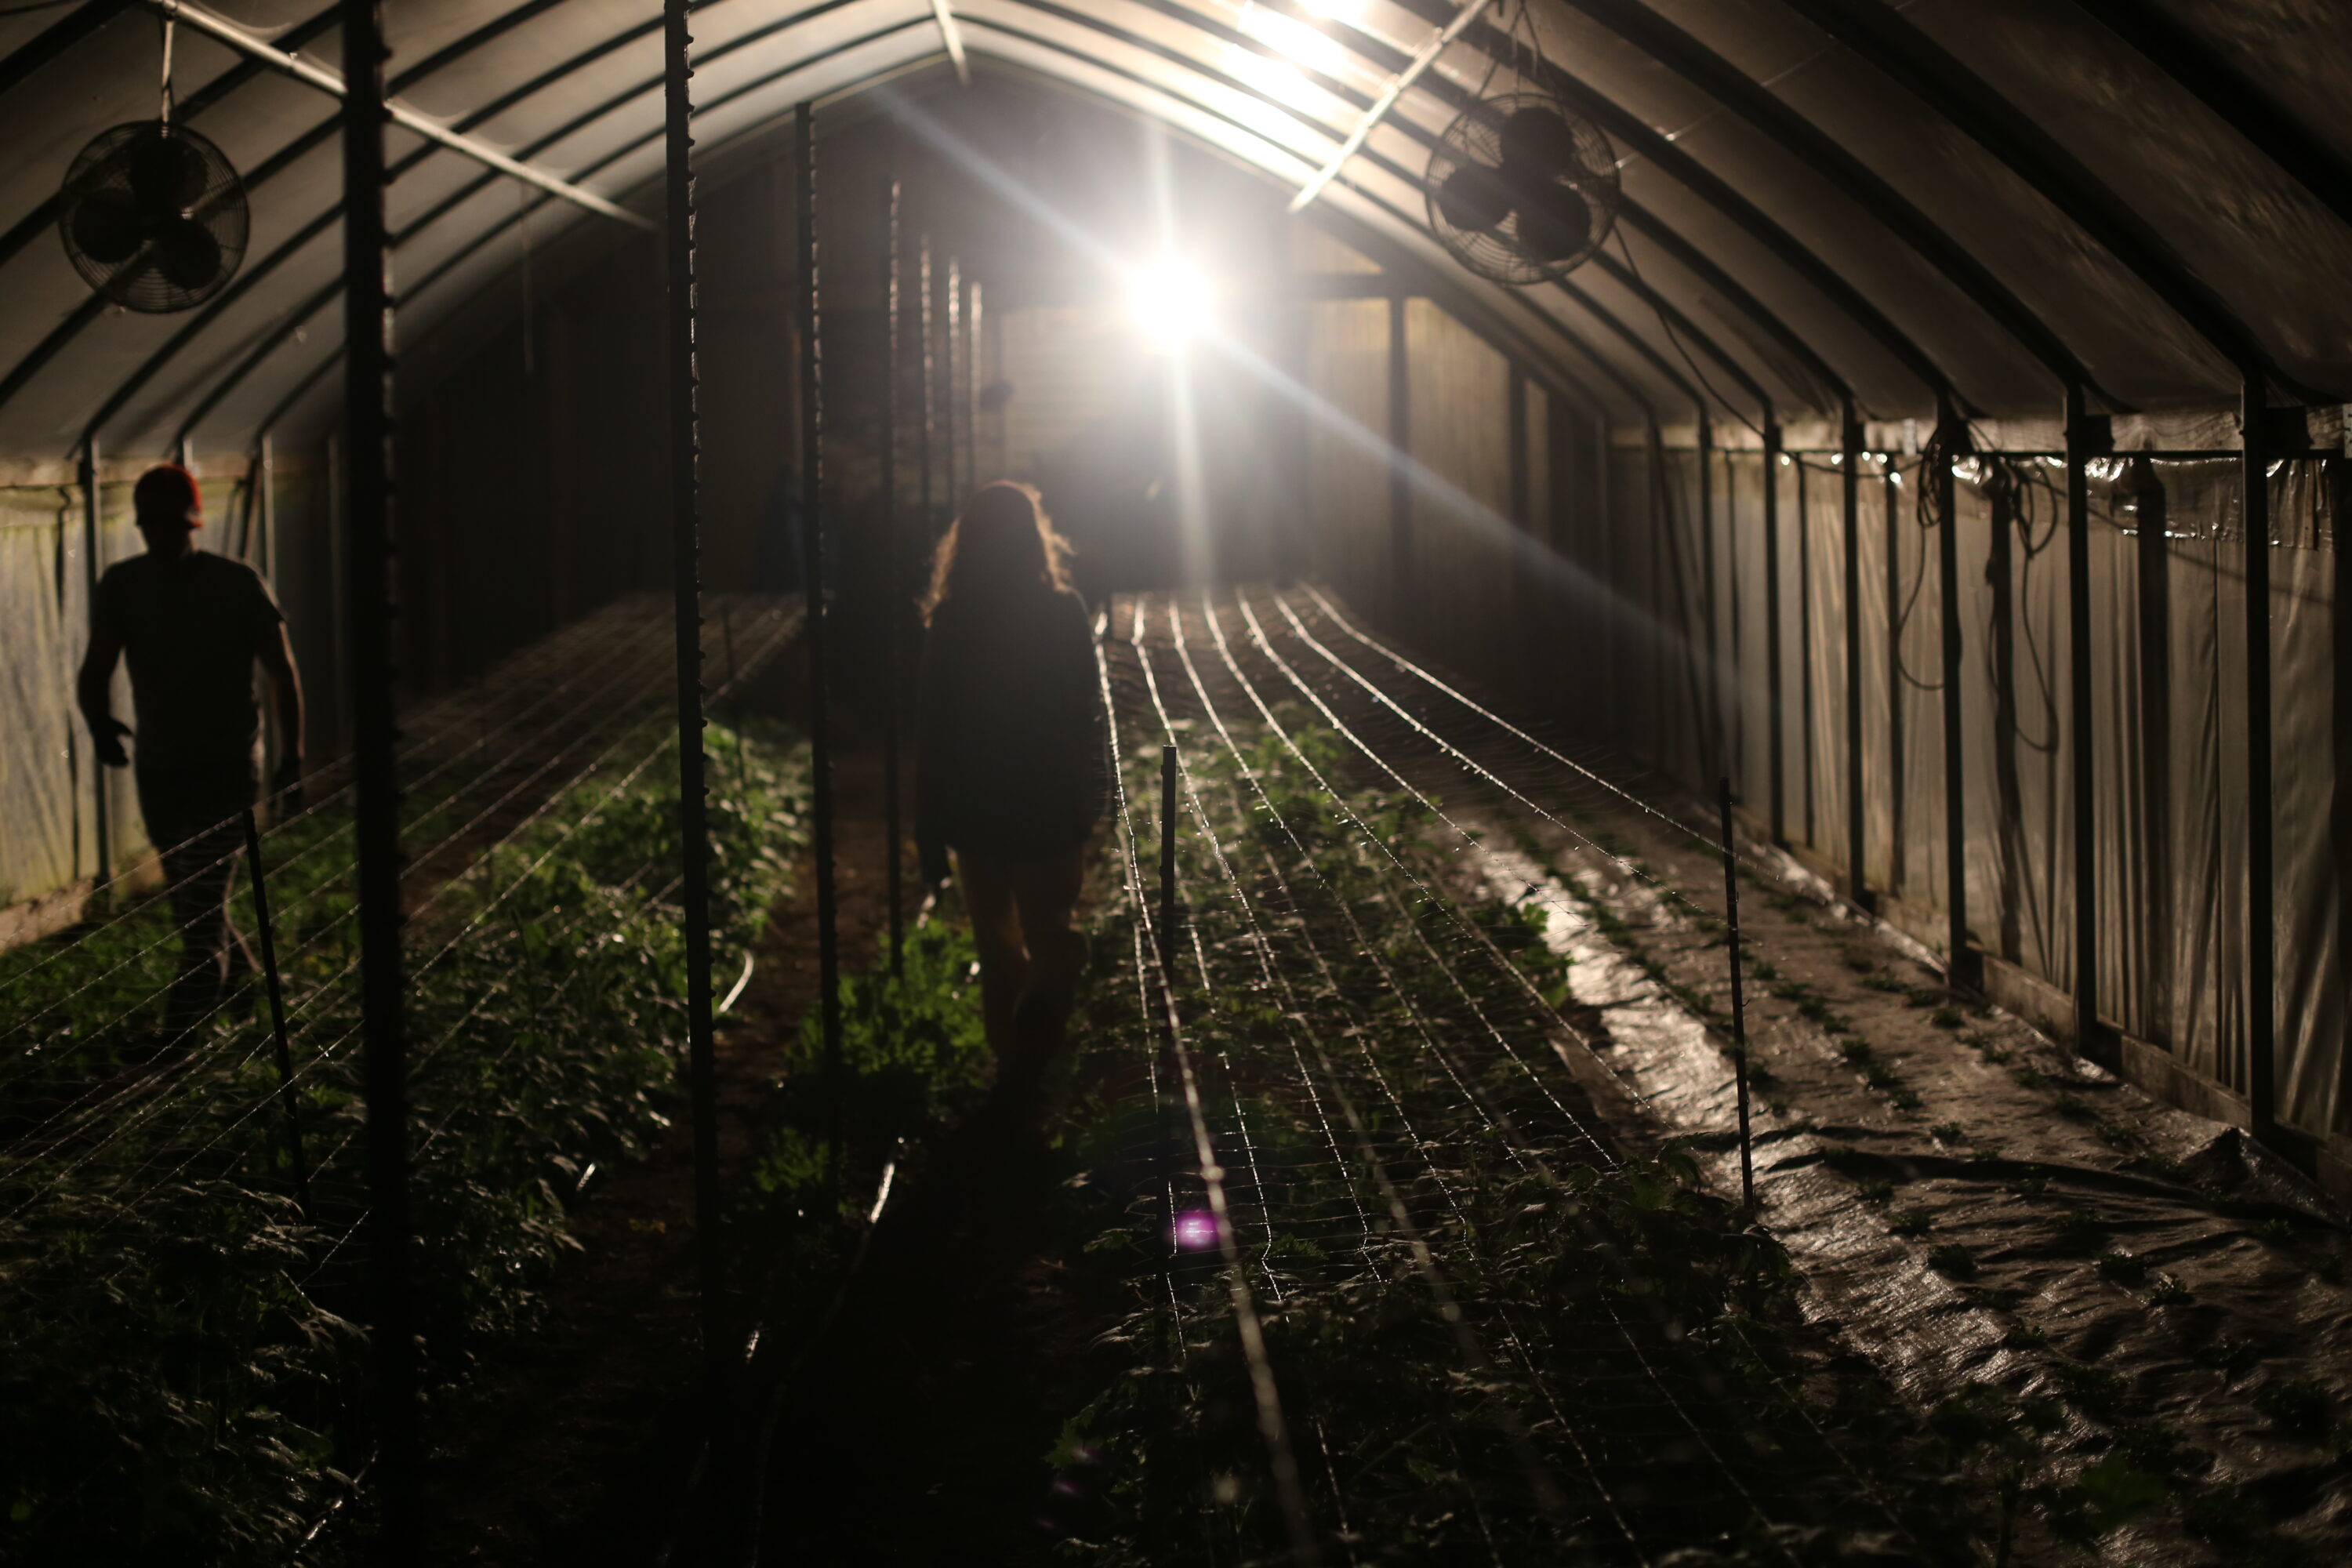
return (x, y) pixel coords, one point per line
(1003, 547)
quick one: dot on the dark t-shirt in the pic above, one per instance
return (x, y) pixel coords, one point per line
(190, 630)
(1009, 733)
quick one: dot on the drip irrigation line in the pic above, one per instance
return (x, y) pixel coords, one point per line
(609, 651)
(1632, 869)
(1332, 614)
(619, 655)
(243, 985)
(619, 658)
(158, 1105)
(1501, 962)
(630, 722)
(426, 1143)
(1208, 984)
(1539, 1484)
(1506, 1136)
(1282, 1459)
(422, 1061)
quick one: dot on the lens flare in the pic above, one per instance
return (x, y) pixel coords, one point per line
(1169, 303)
(1196, 1231)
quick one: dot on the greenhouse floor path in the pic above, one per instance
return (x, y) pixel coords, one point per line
(573, 1448)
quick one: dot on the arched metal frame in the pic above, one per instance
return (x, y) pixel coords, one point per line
(1162, 57)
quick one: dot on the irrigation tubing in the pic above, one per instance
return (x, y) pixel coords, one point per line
(1282, 1458)
(1475, 1102)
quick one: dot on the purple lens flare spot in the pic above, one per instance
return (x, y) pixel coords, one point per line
(1196, 1231)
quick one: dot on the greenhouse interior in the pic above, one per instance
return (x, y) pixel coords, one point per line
(1175, 783)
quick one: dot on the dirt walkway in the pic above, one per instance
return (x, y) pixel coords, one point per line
(573, 1449)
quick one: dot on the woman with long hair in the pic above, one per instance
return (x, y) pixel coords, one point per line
(1011, 757)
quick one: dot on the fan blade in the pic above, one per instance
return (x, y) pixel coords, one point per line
(166, 175)
(1539, 144)
(1473, 198)
(1555, 222)
(104, 226)
(188, 255)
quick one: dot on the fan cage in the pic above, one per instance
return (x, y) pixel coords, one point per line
(145, 280)
(1476, 139)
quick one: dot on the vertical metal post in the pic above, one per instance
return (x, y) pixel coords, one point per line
(951, 332)
(2082, 439)
(894, 610)
(1897, 774)
(100, 787)
(1738, 1002)
(1600, 702)
(930, 389)
(971, 393)
(1857, 879)
(368, 517)
(1168, 865)
(1775, 706)
(1805, 644)
(1400, 476)
(298, 1167)
(1710, 738)
(686, 584)
(1524, 610)
(1951, 440)
(819, 619)
(265, 506)
(2262, 957)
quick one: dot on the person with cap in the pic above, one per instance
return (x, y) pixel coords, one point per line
(192, 625)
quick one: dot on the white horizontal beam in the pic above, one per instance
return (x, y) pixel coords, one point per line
(255, 46)
(1421, 60)
(952, 36)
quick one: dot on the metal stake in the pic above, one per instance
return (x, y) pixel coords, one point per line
(818, 621)
(952, 329)
(1168, 866)
(2082, 437)
(1775, 725)
(1857, 881)
(693, 784)
(375, 734)
(1739, 1007)
(2262, 933)
(101, 791)
(893, 618)
(285, 1100)
(930, 389)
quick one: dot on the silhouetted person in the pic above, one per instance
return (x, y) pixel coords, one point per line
(193, 623)
(1010, 757)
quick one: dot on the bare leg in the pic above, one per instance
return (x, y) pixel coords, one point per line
(1046, 891)
(988, 897)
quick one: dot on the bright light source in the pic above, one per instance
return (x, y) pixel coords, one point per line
(1171, 304)
(1308, 46)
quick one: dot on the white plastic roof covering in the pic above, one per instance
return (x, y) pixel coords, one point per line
(1985, 196)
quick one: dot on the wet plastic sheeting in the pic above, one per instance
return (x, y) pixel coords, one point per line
(1346, 485)
(1459, 424)
(1915, 656)
(1821, 604)
(1684, 538)
(1877, 770)
(47, 798)
(2012, 553)
(36, 775)
(2307, 907)
(1743, 500)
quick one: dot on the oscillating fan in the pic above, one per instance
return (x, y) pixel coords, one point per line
(1522, 188)
(154, 217)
